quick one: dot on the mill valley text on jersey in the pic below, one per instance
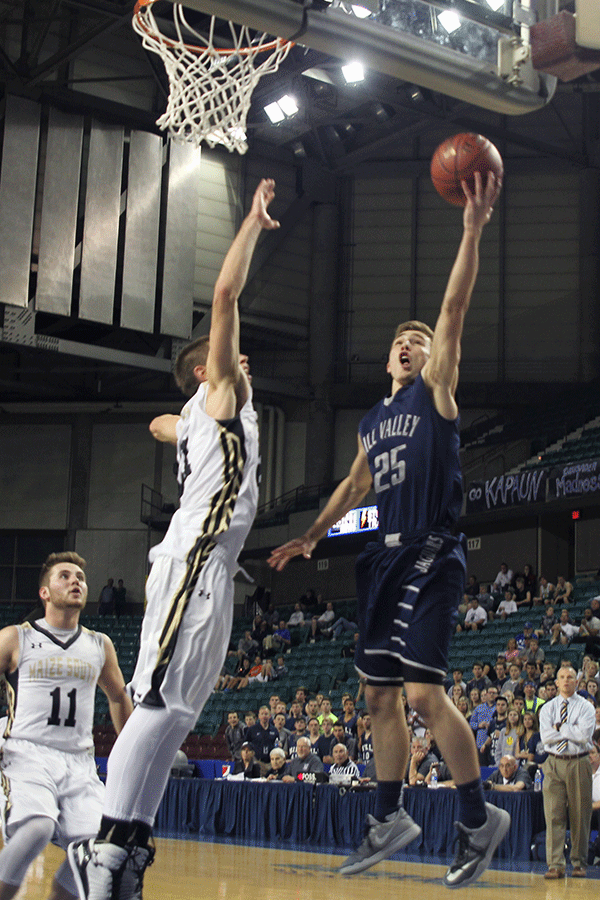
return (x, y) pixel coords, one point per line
(413, 457)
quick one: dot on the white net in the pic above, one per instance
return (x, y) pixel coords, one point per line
(210, 88)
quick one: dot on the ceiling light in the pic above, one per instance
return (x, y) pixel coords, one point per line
(275, 112)
(281, 109)
(450, 20)
(495, 4)
(299, 150)
(353, 72)
(288, 105)
(361, 12)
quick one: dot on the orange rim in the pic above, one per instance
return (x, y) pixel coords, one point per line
(138, 14)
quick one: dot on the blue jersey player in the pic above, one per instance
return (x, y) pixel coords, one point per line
(409, 583)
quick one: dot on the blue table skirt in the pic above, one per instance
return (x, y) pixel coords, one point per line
(321, 815)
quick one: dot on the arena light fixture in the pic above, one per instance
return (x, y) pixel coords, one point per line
(281, 109)
(361, 12)
(495, 4)
(449, 20)
(353, 72)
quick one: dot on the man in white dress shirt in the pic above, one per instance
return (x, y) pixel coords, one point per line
(567, 724)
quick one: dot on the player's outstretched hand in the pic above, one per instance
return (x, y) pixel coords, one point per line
(281, 556)
(480, 205)
(263, 195)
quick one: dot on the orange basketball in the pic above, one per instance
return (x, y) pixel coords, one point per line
(457, 159)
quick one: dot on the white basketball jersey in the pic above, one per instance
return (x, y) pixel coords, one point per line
(217, 465)
(51, 693)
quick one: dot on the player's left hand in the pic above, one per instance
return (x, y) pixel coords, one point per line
(480, 205)
(263, 195)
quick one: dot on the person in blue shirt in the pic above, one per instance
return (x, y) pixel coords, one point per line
(412, 579)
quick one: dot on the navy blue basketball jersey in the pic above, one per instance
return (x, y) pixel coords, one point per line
(414, 461)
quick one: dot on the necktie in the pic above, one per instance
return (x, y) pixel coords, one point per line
(562, 745)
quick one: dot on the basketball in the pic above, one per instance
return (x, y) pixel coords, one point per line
(457, 159)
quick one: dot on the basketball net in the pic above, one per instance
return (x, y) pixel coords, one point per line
(210, 88)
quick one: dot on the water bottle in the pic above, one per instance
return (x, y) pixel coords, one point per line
(537, 781)
(434, 777)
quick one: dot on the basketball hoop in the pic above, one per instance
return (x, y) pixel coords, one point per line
(210, 88)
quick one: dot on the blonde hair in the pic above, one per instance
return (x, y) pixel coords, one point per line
(194, 354)
(413, 325)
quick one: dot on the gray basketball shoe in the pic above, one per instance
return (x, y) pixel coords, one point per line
(476, 847)
(383, 839)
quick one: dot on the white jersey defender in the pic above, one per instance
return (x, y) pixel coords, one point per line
(51, 692)
(189, 590)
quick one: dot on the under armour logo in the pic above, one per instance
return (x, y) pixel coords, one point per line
(40, 645)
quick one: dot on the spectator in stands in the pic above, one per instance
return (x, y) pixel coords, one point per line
(120, 599)
(479, 680)
(457, 693)
(509, 740)
(463, 707)
(501, 673)
(280, 669)
(314, 732)
(278, 767)
(256, 629)
(595, 761)
(472, 588)
(529, 579)
(283, 734)
(589, 632)
(273, 701)
(475, 617)
(457, 679)
(488, 750)
(534, 653)
(308, 600)
(545, 592)
(247, 646)
(272, 616)
(519, 703)
(343, 767)
(326, 712)
(240, 675)
(297, 617)
(235, 735)
(563, 592)
(263, 736)
(325, 743)
(365, 738)
(531, 737)
(482, 716)
(299, 731)
(295, 713)
(514, 678)
(304, 762)
(474, 698)
(486, 600)
(339, 627)
(342, 738)
(349, 717)
(265, 636)
(503, 579)
(312, 707)
(564, 630)
(524, 637)
(547, 622)
(507, 606)
(106, 601)
(523, 597)
(282, 639)
(509, 777)
(250, 718)
(320, 624)
(533, 703)
(530, 673)
(247, 764)
(512, 651)
(420, 761)
(548, 673)
(591, 687)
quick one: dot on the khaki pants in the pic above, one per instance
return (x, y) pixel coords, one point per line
(567, 789)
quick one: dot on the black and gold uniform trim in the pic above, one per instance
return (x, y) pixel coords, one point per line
(218, 517)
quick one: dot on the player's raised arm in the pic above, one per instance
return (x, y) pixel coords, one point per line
(440, 373)
(111, 681)
(223, 365)
(346, 496)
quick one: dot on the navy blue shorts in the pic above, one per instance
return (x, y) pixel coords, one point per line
(407, 608)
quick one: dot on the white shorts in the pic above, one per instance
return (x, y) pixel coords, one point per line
(42, 781)
(185, 633)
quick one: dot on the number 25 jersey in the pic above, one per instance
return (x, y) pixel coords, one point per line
(413, 457)
(52, 691)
